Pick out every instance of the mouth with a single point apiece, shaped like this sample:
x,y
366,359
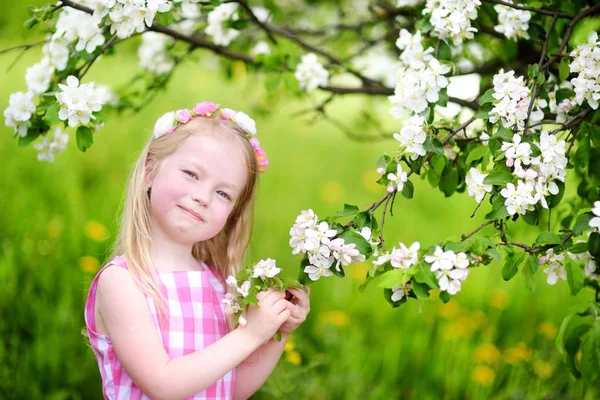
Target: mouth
x,y
192,213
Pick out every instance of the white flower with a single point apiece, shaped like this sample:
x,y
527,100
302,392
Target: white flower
x,y
38,76
586,64
245,122
19,111
260,47
450,269
152,53
51,144
320,267
164,124
404,257
397,180
344,253
441,259
265,269
556,268
318,236
451,19
216,24
399,292
232,304
476,188
513,23
232,282
412,136
310,73
244,289
78,102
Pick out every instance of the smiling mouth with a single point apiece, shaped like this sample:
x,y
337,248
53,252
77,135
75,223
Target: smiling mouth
x,y
193,214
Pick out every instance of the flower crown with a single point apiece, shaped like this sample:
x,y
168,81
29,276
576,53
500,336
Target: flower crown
x,y
167,124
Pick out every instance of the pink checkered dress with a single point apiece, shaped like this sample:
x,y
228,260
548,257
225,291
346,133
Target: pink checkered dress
x,y
196,320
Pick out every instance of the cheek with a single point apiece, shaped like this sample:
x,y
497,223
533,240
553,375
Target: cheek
x,y
167,191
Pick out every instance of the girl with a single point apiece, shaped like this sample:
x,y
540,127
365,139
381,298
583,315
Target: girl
x,y
154,313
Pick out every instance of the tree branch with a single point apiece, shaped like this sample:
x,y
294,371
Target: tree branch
x,y
248,10
543,11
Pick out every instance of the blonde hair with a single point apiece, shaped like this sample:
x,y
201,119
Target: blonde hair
x,y
225,251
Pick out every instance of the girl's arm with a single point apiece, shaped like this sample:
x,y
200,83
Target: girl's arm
x,y
138,347
254,371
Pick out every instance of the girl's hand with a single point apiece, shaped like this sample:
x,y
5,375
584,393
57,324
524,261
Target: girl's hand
x,y
272,311
299,308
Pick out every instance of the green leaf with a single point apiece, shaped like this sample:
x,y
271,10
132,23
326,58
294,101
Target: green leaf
x,y
273,82
387,294
590,353
504,133
362,245
443,98
547,238
449,181
554,199
487,97
511,267
445,297
484,111
433,145
497,213
564,93
408,190
362,219
531,217
424,275
393,278
303,277
582,223
52,115
579,248
533,70
421,290
582,155
575,276
498,177
528,273
348,210
444,52
594,245
457,246
476,154
165,18
563,69
85,138
559,341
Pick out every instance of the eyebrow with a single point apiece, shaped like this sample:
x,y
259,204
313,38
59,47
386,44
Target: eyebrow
x,y
203,170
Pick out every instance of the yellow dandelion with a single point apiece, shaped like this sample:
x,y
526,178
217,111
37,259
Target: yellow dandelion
x,y
484,375
449,310
96,231
517,354
499,299
55,227
332,192
289,345
478,319
543,369
487,353
369,181
293,357
336,318
548,330
358,272
89,264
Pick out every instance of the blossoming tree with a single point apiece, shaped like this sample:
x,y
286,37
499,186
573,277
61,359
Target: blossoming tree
x,y
531,130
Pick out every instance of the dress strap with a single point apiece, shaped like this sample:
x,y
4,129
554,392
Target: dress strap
x,y
90,304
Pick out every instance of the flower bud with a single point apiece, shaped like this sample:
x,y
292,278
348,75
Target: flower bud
x,y
380,171
391,189
543,260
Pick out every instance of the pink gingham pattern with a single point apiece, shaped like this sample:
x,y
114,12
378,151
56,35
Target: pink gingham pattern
x,y
196,320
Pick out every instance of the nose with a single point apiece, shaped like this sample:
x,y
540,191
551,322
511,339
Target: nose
x,y
201,196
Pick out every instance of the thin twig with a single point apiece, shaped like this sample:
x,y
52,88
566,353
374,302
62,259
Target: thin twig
x,y
381,240
254,18
537,10
480,227
25,47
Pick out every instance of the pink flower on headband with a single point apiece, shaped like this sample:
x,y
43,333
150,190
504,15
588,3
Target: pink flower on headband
x,y
261,156
205,108
183,116
227,114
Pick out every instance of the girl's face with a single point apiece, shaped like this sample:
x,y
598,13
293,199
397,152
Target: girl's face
x,y
196,188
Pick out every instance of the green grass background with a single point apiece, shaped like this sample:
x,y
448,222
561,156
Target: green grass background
x,y
493,340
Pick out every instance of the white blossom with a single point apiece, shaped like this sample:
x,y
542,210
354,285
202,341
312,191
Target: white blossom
x,y
265,269
513,104
398,179
245,122
19,111
78,101
412,136
555,267
319,267
450,269
244,289
217,18
38,76
401,291
310,73
512,23
475,186
586,64
152,52
595,221
261,47
51,144
232,304
451,19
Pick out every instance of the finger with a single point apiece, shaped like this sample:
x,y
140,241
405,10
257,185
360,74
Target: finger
x,y
263,294
285,314
273,297
301,296
280,305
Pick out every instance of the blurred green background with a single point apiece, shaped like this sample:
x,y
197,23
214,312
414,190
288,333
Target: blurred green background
x,y
493,340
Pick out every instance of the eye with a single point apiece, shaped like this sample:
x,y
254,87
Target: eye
x,y
190,173
223,194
